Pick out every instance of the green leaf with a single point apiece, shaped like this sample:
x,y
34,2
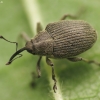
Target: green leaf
x,y
75,81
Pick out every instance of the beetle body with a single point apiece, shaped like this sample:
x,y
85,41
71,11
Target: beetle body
x,y
63,39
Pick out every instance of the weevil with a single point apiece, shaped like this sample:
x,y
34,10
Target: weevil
x,y
62,39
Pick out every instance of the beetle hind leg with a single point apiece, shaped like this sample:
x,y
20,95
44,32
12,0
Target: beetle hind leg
x,y
75,16
53,74
91,62
68,15
75,59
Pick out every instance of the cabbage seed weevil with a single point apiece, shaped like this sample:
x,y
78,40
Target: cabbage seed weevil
x,y
62,39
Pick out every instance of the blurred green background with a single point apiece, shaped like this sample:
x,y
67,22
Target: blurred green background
x,y
77,81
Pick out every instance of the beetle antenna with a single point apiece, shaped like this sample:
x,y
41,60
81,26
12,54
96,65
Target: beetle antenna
x,y
16,50
15,54
10,41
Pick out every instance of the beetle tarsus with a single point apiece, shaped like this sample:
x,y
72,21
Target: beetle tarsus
x,y
38,67
75,59
94,62
53,74
39,73
55,86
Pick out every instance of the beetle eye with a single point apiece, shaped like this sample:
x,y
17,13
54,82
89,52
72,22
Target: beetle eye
x,y
29,50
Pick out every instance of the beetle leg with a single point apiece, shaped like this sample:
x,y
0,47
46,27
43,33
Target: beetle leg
x,y
53,74
38,67
77,15
68,15
75,59
22,37
39,27
25,36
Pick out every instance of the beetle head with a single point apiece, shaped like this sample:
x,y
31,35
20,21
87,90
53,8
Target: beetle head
x,y
27,47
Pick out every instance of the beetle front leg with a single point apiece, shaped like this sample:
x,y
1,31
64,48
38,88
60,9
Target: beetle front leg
x,y
24,36
53,74
38,67
39,27
75,59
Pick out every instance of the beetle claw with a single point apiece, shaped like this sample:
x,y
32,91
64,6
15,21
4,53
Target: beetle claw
x,y
55,87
